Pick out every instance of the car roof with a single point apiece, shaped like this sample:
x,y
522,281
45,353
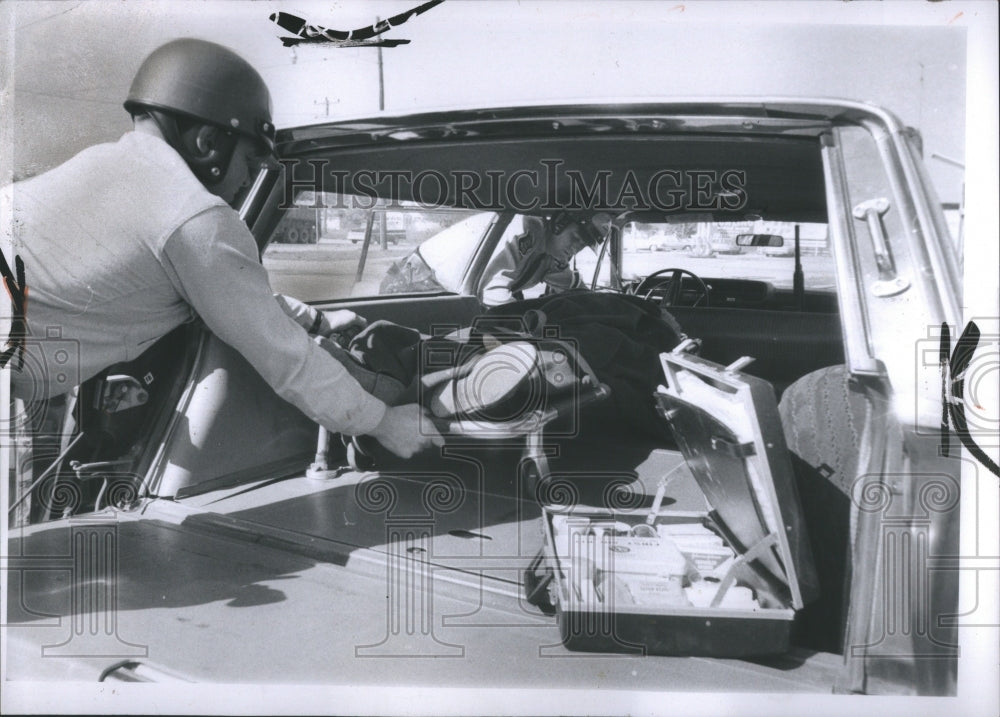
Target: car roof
x,y
773,146
770,113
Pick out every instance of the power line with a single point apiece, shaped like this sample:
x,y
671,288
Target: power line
x,y
18,28
358,59
62,96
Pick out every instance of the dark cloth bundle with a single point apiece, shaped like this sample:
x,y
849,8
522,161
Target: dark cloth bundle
x,y
618,337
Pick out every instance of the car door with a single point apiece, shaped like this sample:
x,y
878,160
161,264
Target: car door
x,y
897,286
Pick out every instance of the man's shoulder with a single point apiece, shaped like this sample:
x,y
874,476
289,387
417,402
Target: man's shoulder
x,y
154,154
135,162
172,190
524,243
211,228
75,168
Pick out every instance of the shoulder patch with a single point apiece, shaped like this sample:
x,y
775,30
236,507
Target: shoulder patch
x,y
525,243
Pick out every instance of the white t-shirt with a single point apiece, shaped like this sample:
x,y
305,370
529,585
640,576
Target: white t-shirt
x,y
121,244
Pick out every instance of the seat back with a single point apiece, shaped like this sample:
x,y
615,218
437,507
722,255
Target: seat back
x,y
824,414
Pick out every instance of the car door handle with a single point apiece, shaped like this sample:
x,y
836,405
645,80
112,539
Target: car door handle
x,y
889,282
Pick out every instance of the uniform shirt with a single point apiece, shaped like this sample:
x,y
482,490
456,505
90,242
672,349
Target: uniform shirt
x,y
121,244
520,264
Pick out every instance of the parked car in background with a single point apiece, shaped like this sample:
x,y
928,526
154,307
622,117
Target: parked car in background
x,y
656,241
653,242
392,224
231,564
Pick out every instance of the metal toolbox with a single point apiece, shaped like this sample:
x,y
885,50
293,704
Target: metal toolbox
x,y
725,582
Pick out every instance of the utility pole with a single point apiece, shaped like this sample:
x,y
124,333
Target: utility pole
x,y
382,233
920,100
381,79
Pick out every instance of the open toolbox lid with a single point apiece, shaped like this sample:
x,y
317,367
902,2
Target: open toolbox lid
x,y
726,423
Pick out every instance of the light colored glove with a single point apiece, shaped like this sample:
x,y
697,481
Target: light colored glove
x,y
406,430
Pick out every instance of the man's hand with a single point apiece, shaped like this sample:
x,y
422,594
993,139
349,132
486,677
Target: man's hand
x,y
406,430
345,321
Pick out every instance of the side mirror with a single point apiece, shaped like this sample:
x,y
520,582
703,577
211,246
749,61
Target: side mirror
x,y
771,240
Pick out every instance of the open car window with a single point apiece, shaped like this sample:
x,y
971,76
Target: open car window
x,y
723,250
586,258
333,246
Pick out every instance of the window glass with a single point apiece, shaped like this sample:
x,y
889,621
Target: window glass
x,y
333,246
709,249
448,253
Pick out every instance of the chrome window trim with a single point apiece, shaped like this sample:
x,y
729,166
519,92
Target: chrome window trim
x,y
853,318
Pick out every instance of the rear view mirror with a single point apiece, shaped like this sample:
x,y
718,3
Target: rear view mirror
x,y
771,240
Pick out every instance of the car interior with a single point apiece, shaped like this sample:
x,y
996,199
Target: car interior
x,y
236,454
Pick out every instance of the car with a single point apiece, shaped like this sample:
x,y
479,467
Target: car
x,y
659,241
394,227
650,243
231,561
356,236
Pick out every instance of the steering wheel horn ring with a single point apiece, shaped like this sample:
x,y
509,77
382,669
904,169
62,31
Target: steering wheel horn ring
x,y
674,286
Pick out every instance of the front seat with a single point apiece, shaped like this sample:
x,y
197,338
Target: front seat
x,y
824,414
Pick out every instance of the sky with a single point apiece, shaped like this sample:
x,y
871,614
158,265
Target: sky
x,y
67,65
65,68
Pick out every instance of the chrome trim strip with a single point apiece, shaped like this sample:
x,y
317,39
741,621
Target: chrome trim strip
x,y
853,319
928,244
157,465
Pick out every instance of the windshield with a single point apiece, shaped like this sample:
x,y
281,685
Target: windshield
x,y
709,249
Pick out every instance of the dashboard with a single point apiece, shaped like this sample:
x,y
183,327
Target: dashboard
x,y
731,293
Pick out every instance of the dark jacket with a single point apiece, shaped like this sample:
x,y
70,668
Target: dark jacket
x,y
621,337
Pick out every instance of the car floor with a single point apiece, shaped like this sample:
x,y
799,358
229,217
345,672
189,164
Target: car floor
x,y
333,581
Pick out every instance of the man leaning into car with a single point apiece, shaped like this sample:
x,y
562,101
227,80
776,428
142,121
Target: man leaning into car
x,y
541,254
128,240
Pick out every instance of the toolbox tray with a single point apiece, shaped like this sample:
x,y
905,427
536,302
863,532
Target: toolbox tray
x,y
726,425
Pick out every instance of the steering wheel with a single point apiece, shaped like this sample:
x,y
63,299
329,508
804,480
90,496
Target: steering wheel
x,y
673,293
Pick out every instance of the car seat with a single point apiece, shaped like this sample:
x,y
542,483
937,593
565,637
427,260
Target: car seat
x,y
824,414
